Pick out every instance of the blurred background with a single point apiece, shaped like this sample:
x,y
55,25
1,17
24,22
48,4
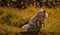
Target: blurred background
x,y
24,3
15,13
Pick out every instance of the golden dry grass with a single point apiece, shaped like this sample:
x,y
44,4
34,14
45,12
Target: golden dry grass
x,y
21,16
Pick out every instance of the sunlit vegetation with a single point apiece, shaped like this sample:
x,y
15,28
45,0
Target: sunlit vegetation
x,y
11,19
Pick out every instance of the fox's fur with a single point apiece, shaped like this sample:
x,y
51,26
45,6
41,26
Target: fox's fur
x,y
36,21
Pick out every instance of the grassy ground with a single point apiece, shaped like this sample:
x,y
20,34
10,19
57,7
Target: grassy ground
x,y
11,19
